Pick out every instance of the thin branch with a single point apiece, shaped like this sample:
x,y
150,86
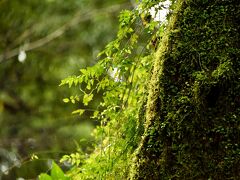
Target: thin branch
x,y
79,17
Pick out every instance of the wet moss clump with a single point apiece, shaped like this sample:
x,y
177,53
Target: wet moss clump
x,y
192,128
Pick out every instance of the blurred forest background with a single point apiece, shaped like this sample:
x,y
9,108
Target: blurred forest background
x,y
42,42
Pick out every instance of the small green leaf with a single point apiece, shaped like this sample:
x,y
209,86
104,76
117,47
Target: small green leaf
x,y
64,158
34,157
87,98
78,111
57,173
83,71
44,176
70,83
77,98
66,100
95,114
88,86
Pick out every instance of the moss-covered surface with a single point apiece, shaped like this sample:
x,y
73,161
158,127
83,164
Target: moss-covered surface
x,y
192,128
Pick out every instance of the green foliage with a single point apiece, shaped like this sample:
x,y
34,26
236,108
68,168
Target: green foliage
x,y
121,77
58,37
74,158
56,173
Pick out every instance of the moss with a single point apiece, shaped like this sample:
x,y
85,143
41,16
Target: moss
x,y
193,113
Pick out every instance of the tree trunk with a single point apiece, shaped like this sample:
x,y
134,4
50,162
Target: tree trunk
x,y
192,128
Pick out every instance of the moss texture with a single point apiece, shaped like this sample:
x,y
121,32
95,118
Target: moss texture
x,y
192,128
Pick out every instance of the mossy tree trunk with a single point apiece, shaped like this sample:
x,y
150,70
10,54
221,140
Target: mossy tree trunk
x,y
192,128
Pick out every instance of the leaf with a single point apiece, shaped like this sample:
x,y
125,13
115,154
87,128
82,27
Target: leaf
x,y
44,176
73,101
88,86
77,98
78,111
66,100
95,114
83,71
64,158
57,173
62,82
70,83
87,98
34,157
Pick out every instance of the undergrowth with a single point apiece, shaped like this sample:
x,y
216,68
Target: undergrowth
x,y
120,76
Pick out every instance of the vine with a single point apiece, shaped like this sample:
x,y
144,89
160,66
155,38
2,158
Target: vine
x,y
121,77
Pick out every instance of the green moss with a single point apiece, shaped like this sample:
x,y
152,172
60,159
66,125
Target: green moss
x,y
193,109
